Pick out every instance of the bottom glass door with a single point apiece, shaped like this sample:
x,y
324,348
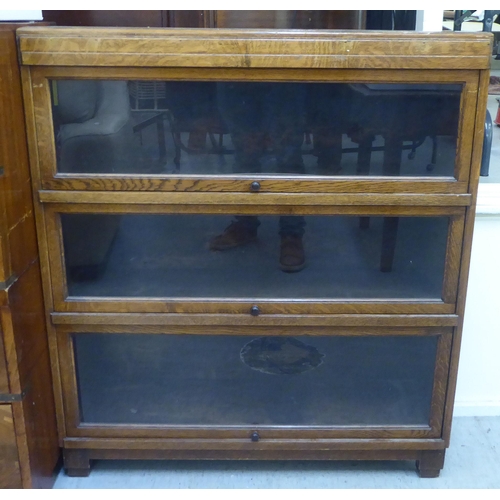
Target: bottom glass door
x,y
223,380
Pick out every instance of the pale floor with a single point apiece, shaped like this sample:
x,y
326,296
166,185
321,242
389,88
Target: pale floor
x,y
472,461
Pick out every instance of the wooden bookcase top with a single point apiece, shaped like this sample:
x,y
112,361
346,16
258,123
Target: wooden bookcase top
x,y
235,48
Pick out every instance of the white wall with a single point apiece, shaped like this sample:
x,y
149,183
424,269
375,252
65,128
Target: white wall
x,y
478,389
429,20
21,15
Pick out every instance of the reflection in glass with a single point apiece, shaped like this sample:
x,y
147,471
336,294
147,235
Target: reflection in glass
x,y
210,128
346,257
206,380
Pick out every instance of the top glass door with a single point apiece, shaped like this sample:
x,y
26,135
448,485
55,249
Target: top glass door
x,y
235,128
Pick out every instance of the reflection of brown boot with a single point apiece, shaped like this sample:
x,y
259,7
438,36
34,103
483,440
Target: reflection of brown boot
x,y
235,235
292,257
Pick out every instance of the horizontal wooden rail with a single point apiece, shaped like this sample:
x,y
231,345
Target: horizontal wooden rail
x,y
343,320
254,199
235,48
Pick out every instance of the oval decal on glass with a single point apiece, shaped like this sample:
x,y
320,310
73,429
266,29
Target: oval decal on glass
x,y
280,356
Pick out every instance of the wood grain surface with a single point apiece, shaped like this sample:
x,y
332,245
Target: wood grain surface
x,y
4,381
243,55
467,247
253,48
17,228
10,474
254,199
29,449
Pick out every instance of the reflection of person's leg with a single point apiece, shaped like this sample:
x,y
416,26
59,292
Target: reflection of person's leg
x,y
285,118
287,123
240,108
292,256
329,110
241,231
328,148
248,146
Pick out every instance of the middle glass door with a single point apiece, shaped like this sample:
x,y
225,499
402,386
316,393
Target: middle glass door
x,y
192,256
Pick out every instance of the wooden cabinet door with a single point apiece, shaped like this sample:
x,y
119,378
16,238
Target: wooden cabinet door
x,y
161,262
263,19
224,129
10,476
268,19
290,19
131,18
292,383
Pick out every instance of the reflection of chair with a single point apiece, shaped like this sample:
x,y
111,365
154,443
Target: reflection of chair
x,y
463,15
94,136
95,130
490,17
86,256
488,139
197,138
192,108
400,113
188,108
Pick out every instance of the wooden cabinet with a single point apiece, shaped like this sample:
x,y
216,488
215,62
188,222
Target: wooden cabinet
x,y
10,475
29,448
271,19
255,244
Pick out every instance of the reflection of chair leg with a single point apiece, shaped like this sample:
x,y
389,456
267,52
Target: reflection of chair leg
x,y
328,149
176,137
363,168
430,167
160,131
389,237
393,149
177,158
391,167
217,146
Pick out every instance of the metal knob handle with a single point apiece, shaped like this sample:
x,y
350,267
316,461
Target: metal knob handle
x,y
255,310
255,186
255,436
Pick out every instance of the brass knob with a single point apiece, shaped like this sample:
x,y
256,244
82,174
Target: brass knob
x,y
255,186
255,310
255,436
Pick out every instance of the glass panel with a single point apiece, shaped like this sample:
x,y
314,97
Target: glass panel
x,y
213,256
234,380
209,128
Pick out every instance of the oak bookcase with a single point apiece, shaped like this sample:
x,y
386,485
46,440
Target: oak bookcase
x,y
254,243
